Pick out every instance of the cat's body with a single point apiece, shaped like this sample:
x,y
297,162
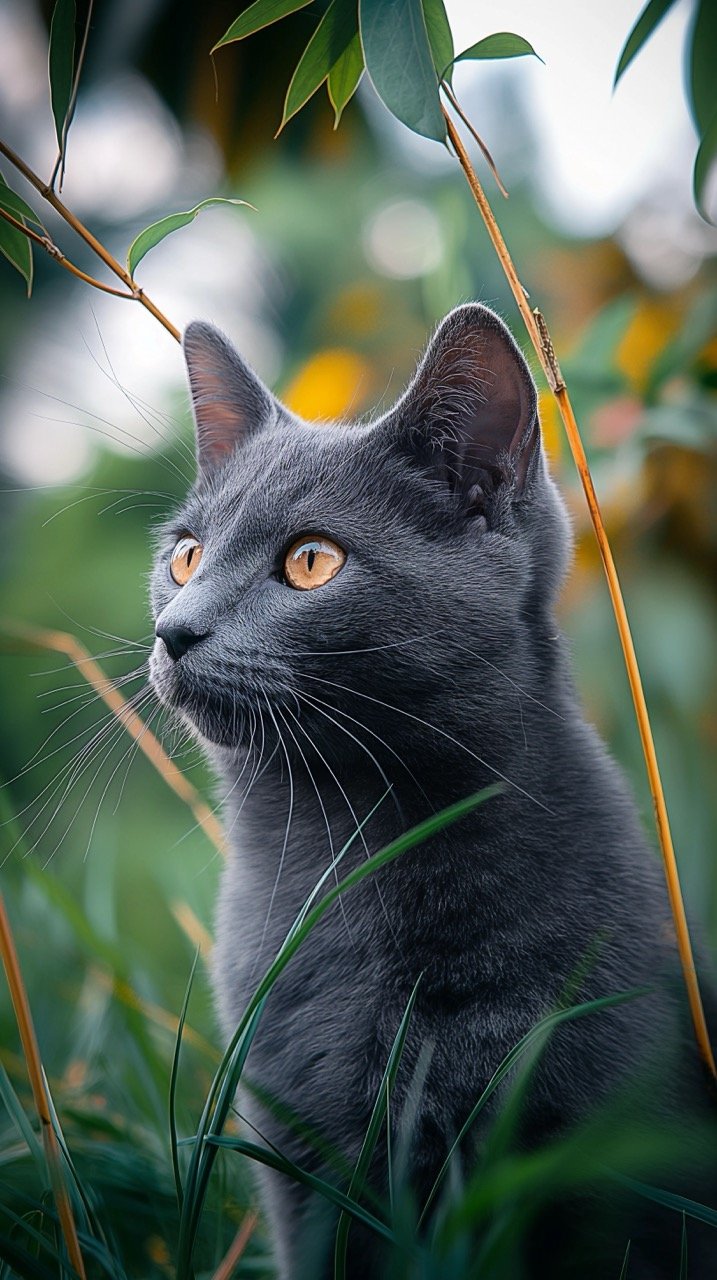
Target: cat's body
x,y
431,665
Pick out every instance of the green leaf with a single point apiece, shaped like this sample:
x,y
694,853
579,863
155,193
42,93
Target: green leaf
x,y
648,21
330,40
158,231
17,249
344,77
260,14
625,1262
19,208
173,1077
704,160
61,65
439,37
702,80
399,63
503,44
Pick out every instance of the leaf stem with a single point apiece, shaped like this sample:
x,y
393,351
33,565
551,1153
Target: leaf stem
x,y
50,247
542,343
40,1090
82,231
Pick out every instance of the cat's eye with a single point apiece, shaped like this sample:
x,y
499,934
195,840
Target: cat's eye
x,y
312,562
185,559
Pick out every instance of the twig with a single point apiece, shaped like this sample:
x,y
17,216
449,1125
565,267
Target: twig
x,y
541,340
50,247
226,1267
40,1091
97,247
89,668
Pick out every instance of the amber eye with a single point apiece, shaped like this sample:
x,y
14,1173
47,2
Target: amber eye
x,y
185,559
311,562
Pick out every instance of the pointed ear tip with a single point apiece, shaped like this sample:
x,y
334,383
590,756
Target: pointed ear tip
x,y
199,333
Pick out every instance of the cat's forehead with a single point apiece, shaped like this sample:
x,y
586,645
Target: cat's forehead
x,y
291,472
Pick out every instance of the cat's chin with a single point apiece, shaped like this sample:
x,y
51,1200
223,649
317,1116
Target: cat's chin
x,y
200,710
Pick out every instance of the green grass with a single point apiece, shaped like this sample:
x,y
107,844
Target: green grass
x,y
150,1202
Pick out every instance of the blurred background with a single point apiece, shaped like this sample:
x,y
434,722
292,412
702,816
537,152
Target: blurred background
x,y
360,241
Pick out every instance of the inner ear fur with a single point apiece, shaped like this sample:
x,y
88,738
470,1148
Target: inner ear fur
x,y
229,401
473,402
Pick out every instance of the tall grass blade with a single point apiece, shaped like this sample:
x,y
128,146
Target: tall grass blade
x,y
173,1085
536,1033
378,1115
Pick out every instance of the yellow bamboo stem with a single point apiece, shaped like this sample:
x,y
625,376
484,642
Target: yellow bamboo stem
x,y
542,343
40,1091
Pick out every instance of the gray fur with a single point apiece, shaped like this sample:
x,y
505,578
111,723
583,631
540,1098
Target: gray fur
x,y
433,663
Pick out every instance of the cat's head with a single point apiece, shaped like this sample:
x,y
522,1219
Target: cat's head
x,y
360,581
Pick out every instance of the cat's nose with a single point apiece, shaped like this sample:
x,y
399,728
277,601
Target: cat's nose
x,y
177,639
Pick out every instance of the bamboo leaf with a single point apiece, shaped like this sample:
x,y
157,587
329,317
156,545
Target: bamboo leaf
x,y
440,37
400,64
648,21
702,81
19,208
344,77
330,41
158,231
503,44
704,161
17,249
260,14
61,65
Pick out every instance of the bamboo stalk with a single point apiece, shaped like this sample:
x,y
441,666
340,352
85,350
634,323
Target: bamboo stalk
x,y
543,345
89,668
40,1091
81,230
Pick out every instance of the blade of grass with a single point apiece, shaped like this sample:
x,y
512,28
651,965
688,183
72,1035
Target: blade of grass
x,y
173,1085
541,1029
625,1263
40,1091
541,340
368,1146
227,1077
264,1155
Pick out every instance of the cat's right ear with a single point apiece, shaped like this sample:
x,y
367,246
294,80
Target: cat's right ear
x,y
229,401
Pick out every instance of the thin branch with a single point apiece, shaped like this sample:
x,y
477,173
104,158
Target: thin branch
x,y
542,342
40,1091
60,162
50,247
89,668
81,230
229,1262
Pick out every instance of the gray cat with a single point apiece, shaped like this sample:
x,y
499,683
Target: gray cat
x,y
342,609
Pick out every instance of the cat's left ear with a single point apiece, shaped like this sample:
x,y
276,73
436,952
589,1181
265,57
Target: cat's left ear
x,y
472,404
229,401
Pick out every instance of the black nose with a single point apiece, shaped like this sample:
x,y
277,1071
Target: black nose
x,y
177,639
